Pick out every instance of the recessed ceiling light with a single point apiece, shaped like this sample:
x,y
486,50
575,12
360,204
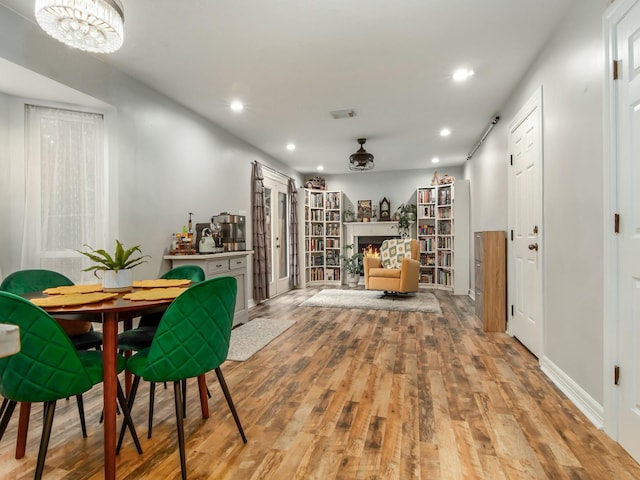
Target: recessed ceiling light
x,y
319,168
461,74
435,160
237,106
445,132
291,147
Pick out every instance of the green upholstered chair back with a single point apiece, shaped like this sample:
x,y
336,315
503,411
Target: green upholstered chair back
x,y
186,272
47,367
193,335
24,281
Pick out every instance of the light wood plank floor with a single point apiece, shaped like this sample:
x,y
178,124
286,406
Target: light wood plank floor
x,y
354,394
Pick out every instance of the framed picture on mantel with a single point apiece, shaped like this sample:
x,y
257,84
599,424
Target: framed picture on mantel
x,y
364,210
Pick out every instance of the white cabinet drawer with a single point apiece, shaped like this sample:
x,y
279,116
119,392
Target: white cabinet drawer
x,y
217,266
240,262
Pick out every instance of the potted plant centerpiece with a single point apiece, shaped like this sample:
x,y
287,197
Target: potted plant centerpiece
x,y
352,265
117,276
406,214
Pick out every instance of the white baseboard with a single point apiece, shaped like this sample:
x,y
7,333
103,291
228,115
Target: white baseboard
x,y
472,295
580,398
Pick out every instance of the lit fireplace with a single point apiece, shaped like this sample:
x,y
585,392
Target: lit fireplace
x,y
371,251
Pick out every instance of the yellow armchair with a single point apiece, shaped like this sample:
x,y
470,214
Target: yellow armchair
x,y
404,277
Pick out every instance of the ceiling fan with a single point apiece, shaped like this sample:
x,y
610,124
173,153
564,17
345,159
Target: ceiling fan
x,y
361,160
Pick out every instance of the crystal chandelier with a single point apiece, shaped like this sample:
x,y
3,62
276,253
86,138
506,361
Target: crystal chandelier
x,y
361,160
90,25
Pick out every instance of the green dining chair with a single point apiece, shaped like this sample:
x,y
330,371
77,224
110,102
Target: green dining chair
x,y
35,280
140,337
47,368
192,339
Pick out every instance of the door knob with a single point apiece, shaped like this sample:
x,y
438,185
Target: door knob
x,y
533,246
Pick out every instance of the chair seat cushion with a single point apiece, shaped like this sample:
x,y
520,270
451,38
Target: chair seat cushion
x,y
87,341
92,361
136,339
385,272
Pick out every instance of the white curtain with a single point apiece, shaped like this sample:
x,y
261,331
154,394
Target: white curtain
x,y
66,178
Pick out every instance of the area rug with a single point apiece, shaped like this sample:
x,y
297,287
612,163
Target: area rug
x,y
374,300
249,338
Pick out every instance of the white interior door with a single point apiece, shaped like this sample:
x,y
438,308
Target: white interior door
x,y
628,240
525,218
277,214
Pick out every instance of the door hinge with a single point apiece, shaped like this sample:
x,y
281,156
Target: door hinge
x,y
512,235
512,310
616,375
616,223
511,160
616,65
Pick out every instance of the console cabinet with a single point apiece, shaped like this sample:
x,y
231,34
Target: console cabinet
x,y
232,264
491,279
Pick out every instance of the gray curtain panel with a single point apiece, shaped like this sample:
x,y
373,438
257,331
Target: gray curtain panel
x,y
294,270
260,247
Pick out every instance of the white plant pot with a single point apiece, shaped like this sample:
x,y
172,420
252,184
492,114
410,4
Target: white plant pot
x,y
353,279
117,280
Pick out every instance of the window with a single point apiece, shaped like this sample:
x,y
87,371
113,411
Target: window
x,y
65,193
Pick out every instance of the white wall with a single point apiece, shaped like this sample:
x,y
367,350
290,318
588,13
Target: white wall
x,y
169,161
570,70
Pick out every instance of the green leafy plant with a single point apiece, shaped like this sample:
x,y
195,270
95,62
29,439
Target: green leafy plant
x,y
121,259
407,213
351,263
349,215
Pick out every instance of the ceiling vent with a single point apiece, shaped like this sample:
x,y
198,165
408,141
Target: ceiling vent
x,y
348,113
361,160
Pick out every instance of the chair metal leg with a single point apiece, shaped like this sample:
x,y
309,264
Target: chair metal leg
x,y
152,396
83,424
126,413
8,406
49,411
129,405
227,395
184,398
179,411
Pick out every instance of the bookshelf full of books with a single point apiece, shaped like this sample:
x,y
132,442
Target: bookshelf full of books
x,y
443,235
322,235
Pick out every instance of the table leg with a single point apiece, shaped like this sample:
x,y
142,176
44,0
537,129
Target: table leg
x,y
128,378
23,428
110,345
204,401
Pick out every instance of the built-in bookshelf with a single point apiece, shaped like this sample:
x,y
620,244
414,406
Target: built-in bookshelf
x,y
322,235
443,234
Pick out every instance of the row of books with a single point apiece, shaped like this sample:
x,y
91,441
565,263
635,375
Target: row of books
x,y
427,196
426,229
316,200
315,244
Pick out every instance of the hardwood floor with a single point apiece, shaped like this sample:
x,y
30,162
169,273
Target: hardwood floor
x,y
353,394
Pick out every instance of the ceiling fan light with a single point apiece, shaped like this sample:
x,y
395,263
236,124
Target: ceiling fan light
x,y
91,25
361,160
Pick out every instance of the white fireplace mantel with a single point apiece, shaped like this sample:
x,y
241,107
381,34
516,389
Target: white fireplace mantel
x,y
353,230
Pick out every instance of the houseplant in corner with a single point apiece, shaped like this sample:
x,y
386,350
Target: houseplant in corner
x,y
352,265
117,276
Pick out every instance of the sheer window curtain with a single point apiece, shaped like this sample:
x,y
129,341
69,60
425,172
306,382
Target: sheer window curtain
x,y
65,203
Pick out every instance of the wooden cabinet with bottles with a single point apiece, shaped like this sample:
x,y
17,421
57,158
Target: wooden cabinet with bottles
x,y
443,234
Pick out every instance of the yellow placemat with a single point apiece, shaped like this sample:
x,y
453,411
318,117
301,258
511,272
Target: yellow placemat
x,y
155,294
161,282
73,299
74,289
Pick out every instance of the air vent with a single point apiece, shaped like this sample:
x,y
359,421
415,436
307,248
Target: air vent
x,y
348,113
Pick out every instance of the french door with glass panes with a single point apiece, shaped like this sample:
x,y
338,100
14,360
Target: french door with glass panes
x,y
276,201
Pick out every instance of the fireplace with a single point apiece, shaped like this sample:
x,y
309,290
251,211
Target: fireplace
x,y
363,234
374,240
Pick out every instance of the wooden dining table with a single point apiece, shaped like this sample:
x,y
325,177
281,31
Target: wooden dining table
x,y
110,313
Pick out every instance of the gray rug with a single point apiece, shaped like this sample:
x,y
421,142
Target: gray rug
x,y
374,300
247,339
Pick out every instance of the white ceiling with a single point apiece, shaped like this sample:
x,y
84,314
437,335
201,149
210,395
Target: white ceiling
x,y
292,62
